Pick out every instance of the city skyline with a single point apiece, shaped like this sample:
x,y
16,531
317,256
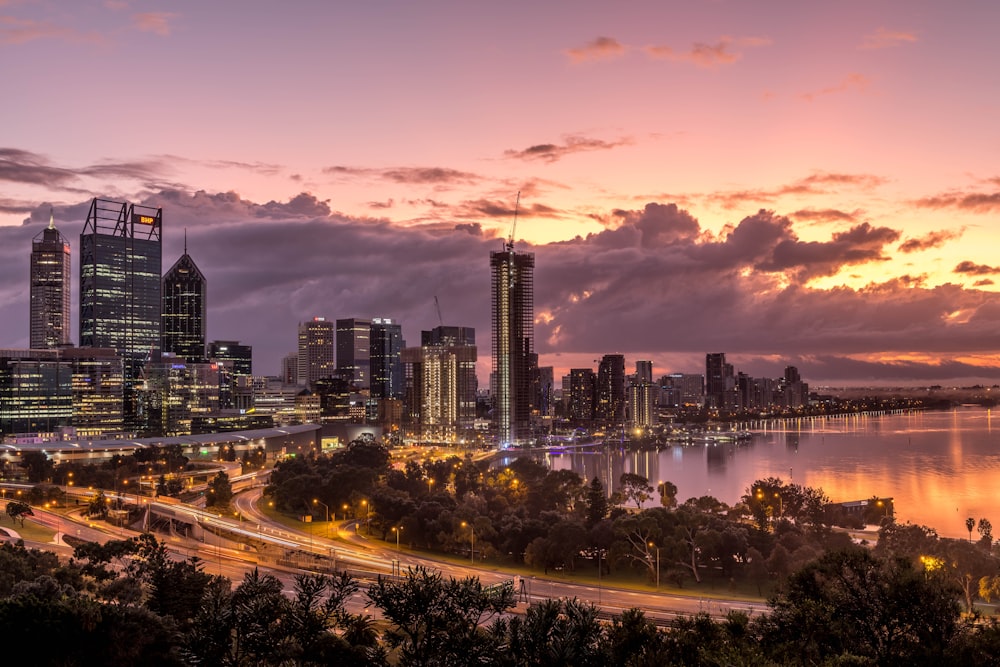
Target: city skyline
x,y
794,185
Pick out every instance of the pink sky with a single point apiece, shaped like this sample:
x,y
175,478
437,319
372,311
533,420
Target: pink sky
x,y
355,159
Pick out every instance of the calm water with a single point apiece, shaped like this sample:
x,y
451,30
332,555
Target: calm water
x,y
940,467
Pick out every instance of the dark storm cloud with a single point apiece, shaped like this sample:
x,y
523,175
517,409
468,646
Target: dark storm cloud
x,y
655,283
26,167
931,240
572,144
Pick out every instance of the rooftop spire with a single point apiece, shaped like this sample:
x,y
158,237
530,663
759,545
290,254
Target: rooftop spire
x,y
52,218
185,240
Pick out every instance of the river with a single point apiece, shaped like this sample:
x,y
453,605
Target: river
x,y
938,466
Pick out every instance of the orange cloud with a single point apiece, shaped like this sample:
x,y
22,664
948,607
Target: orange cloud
x,y
155,22
20,31
850,82
602,48
706,55
976,202
573,144
931,240
883,39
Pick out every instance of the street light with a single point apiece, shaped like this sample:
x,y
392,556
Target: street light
x,y
651,545
317,501
397,531
781,510
368,517
430,482
345,511
472,553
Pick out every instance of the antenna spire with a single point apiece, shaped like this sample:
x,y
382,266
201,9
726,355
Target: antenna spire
x,y
185,240
52,218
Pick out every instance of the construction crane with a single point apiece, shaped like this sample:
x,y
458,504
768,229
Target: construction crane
x,y
437,305
513,227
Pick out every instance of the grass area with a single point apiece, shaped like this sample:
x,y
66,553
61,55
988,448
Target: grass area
x,y
31,531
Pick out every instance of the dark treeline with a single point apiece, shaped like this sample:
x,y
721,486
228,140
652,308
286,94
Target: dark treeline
x,y
127,603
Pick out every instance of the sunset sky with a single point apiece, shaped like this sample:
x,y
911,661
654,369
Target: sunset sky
x,y
786,182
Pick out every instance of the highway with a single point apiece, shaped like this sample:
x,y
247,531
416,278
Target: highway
x,y
232,546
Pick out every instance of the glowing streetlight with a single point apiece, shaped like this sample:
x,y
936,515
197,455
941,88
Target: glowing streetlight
x,y
472,529
397,530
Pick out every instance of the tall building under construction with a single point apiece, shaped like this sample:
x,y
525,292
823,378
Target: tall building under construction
x,y
513,341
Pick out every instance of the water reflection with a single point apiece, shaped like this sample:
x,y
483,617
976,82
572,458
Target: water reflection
x,y
940,467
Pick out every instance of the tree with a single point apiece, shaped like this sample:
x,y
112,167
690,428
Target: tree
x,y
985,529
668,494
970,523
220,491
635,488
438,621
552,633
597,502
38,465
18,510
98,506
989,588
851,603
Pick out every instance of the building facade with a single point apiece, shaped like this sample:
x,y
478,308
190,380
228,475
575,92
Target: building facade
x,y
184,310
385,349
316,351
120,300
354,351
50,289
513,297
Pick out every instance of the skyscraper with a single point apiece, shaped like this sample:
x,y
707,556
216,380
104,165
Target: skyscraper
x,y
184,302
120,304
611,389
720,382
315,359
513,341
354,351
441,383
385,345
50,292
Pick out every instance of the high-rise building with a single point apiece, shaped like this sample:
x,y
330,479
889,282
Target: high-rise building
x,y
120,304
235,368
441,383
184,303
354,351
611,389
42,391
582,395
720,382
386,344
513,298
315,359
50,291
241,356
643,397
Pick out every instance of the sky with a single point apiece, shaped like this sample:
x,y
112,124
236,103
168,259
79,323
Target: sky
x,y
786,182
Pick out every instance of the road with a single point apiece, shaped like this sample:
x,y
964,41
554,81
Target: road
x,y
236,554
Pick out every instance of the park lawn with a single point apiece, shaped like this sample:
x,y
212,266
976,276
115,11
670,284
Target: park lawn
x,y
31,532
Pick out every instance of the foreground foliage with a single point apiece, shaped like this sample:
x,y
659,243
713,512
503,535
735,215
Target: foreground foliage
x,y
128,602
